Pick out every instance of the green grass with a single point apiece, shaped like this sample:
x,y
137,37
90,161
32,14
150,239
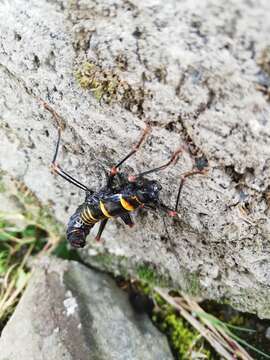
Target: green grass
x,y
16,247
26,232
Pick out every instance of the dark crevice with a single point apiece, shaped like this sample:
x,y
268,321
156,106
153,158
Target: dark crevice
x,y
17,37
180,84
171,126
193,148
236,176
36,61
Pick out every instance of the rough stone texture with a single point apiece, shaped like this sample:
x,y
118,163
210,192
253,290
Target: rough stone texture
x,y
199,72
71,312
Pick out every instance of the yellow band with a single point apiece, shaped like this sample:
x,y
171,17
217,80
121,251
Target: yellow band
x,y
85,219
90,214
103,209
126,205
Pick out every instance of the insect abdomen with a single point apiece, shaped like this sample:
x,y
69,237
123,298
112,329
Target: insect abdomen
x,y
77,229
89,215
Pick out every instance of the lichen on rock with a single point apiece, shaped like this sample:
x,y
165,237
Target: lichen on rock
x,y
108,87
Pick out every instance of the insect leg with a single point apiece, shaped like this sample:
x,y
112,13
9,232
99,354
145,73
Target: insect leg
x,y
101,228
172,160
167,209
54,166
58,170
183,179
133,151
127,220
160,206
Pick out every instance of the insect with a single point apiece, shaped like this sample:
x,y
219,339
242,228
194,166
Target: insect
x,y
119,197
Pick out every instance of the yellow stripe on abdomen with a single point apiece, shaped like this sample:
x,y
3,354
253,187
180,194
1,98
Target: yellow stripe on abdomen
x,y
90,215
126,205
85,218
104,210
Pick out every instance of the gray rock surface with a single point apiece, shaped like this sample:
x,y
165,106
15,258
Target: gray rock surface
x,y
199,72
71,312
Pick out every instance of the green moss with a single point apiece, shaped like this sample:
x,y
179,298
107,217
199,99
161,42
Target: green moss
x,y
193,284
186,343
103,84
147,274
107,86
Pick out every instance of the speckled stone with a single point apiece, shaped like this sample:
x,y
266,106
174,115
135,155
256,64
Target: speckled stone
x,y
71,312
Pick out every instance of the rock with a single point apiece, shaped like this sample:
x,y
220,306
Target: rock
x,y
199,72
71,312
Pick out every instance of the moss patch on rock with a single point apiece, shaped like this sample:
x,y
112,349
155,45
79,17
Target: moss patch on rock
x,y
128,268
186,343
107,86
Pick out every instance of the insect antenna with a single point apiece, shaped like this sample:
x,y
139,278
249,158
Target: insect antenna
x,y
58,170
171,243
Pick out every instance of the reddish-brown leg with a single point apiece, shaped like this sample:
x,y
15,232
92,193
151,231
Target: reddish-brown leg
x,y
136,147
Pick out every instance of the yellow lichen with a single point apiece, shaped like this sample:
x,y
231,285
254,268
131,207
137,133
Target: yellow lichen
x,y
108,87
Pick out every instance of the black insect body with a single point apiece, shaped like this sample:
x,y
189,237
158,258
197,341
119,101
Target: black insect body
x,y
121,195
108,203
